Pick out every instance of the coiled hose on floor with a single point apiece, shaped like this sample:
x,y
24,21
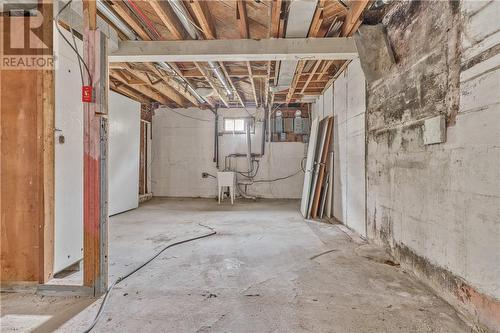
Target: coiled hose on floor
x,y
123,277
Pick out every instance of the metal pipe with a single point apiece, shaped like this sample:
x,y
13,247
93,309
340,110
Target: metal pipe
x,y
182,14
249,146
180,79
215,68
103,8
184,17
106,11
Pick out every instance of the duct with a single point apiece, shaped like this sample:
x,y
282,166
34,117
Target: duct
x,y
120,24
106,11
181,80
300,15
249,146
185,19
183,15
215,68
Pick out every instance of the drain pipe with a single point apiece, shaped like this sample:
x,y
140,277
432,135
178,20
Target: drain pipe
x,y
249,147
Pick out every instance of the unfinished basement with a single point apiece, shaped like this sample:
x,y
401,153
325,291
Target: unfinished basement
x,y
250,166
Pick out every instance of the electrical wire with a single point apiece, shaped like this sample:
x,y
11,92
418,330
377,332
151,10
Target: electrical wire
x,y
79,62
277,179
69,43
123,277
190,117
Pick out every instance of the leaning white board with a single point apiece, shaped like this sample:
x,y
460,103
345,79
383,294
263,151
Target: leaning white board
x,y
68,237
311,149
124,145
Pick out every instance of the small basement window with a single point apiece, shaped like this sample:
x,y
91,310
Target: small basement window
x,y
236,125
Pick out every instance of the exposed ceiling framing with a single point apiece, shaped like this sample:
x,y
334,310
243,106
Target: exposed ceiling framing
x,y
251,82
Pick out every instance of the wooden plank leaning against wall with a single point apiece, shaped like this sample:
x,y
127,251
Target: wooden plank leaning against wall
x,y
27,165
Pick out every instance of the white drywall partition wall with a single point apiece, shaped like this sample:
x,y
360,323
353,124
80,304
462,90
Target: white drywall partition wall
x,y
124,141
183,149
349,148
68,238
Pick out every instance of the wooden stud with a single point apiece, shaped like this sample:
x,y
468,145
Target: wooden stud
x,y
47,232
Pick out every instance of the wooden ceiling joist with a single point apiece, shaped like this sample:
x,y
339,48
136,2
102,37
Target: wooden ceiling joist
x,y
213,83
179,88
168,17
351,22
250,74
313,72
163,88
144,90
127,91
204,18
236,92
122,11
241,16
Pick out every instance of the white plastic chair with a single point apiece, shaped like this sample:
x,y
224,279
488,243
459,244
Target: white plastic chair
x,y
226,179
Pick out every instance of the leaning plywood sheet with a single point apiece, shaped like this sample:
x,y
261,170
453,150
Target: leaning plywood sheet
x,y
317,158
321,166
306,190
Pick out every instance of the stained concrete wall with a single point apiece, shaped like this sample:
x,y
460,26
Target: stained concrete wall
x,y
183,149
438,206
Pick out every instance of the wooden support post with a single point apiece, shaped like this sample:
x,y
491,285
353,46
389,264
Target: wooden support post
x,y
95,209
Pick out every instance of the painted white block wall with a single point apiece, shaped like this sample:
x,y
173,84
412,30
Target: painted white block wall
x,y
124,145
347,101
183,150
68,238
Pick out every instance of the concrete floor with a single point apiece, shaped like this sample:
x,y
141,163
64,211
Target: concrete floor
x,y
267,270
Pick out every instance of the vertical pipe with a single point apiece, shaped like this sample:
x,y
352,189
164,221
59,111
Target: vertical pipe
x,y
249,145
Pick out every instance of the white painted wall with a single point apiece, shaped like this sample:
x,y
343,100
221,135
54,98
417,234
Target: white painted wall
x,y
68,241
345,100
124,136
183,149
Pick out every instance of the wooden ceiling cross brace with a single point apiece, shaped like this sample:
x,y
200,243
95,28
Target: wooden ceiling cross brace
x,y
212,82
241,16
204,18
250,74
237,93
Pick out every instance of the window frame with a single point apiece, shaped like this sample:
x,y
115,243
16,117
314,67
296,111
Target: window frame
x,y
245,119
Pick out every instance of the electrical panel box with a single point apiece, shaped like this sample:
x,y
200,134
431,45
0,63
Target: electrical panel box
x,y
434,130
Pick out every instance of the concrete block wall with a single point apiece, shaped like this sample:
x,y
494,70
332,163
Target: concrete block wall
x,y
437,207
345,100
183,149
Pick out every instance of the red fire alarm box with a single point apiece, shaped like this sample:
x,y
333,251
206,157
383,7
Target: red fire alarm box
x,y
87,94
